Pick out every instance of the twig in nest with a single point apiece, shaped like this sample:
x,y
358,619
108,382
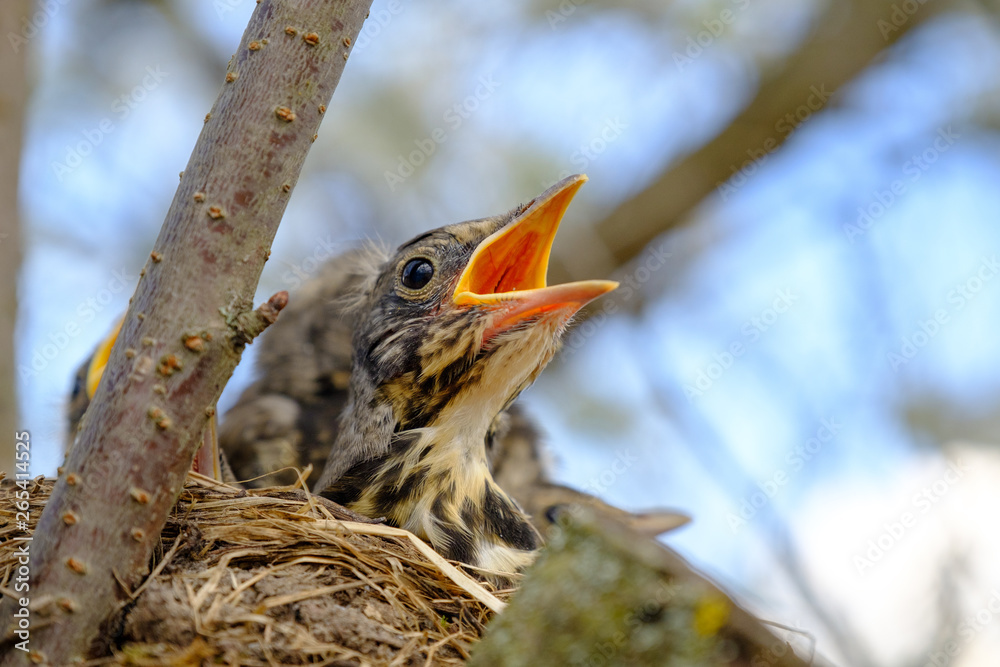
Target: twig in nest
x,y
460,579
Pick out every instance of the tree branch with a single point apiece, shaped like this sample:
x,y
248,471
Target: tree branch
x,y
186,325
844,42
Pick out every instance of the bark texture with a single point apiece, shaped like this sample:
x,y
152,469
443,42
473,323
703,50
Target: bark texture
x,y
601,594
13,94
186,326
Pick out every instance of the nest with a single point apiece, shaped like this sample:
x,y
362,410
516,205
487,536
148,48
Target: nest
x,y
279,577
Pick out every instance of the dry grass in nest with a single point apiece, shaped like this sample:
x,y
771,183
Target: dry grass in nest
x,y
276,577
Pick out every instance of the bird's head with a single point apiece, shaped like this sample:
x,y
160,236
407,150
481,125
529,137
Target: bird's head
x,y
460,319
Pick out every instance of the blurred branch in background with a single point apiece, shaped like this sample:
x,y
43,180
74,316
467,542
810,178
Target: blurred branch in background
x,y
845,39
724,466
196,43
13,96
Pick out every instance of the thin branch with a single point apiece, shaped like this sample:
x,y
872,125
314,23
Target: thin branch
x,y
844,41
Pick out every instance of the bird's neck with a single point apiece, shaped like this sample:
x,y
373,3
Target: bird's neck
x,y
435,482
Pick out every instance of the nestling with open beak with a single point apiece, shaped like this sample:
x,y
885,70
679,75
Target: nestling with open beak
x,y
450,330
445,335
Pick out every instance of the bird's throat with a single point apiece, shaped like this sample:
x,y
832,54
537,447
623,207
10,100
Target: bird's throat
x,y
436,483
429,474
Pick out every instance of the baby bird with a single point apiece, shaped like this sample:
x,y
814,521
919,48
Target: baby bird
x,y
395,375
447,333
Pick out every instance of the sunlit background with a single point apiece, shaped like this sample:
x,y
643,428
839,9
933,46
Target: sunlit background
x,y
806,356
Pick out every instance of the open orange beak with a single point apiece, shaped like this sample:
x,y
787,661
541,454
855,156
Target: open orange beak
x,y
507,271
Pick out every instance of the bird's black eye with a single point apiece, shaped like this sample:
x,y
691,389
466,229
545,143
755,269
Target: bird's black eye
x,y
553,512
417,273
79,384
